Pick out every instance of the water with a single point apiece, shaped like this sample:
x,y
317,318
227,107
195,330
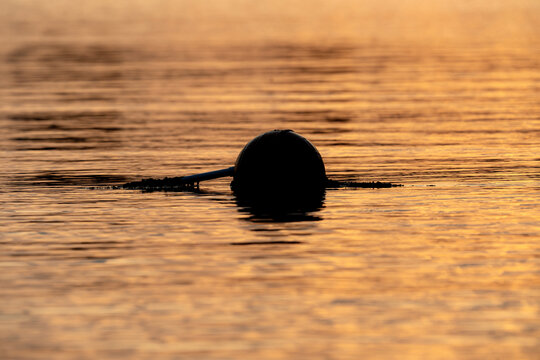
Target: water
x,y
441,98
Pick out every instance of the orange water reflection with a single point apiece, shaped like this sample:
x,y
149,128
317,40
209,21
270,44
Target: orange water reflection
x,y
442,97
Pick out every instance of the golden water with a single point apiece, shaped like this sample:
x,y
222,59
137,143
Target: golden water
x,y
441,97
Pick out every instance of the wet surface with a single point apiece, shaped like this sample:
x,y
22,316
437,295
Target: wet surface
x,y
442,99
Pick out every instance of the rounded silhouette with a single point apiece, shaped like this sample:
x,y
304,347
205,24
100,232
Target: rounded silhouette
x,y
279,166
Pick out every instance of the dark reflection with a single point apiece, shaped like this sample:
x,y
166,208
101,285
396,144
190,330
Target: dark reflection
x,y
285,208
282,209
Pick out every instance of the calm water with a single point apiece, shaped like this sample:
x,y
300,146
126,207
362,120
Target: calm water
x,y
444,99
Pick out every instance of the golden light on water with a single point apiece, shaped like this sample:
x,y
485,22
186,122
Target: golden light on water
x,y
439,96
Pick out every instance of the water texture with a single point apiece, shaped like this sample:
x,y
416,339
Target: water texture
x,y
443,98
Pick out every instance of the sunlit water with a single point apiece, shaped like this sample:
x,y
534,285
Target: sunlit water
x,y
444,99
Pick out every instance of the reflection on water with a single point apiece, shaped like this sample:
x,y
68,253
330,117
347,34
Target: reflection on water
x,y
283,209
441,98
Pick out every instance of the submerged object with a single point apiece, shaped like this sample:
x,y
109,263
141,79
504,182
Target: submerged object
x,y
279,165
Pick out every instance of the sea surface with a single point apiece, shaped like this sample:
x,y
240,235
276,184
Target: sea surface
x,y
442,97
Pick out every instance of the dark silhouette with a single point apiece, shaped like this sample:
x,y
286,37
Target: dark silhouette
x,y
278,170
279,166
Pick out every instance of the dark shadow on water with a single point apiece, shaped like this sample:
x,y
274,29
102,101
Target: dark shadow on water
x,y
271,207
282,209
